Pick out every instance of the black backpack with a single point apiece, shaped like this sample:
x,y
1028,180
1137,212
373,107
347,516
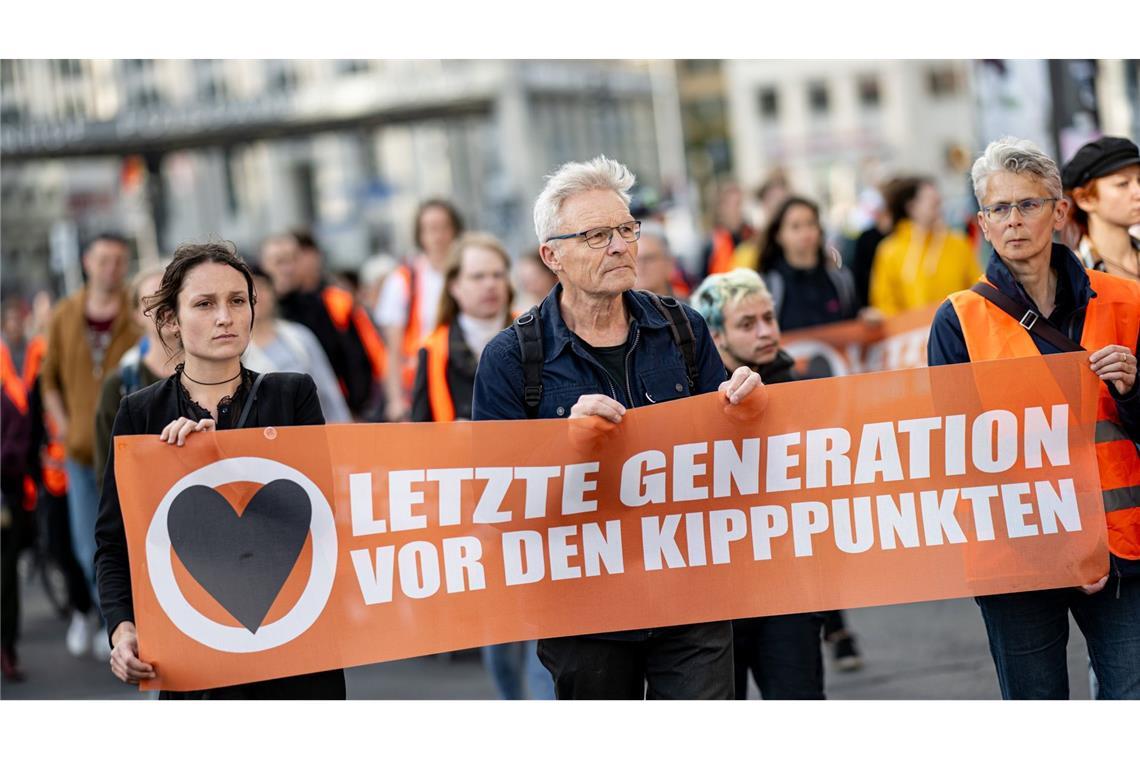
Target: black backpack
x,y
528,331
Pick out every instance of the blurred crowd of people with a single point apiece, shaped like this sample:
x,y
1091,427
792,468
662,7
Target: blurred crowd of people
x,y
401,338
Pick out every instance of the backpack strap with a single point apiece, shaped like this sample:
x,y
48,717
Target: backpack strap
x,y
1027,318
528,331
682,331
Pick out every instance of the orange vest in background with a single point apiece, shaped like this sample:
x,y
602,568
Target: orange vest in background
x,y
1112,318
723,249
343,310
439,392
412,340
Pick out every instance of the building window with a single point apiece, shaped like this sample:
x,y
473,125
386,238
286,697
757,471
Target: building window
x,y
870,95
701,65
818,98
942,81
282,77
349,66
69,68
769,101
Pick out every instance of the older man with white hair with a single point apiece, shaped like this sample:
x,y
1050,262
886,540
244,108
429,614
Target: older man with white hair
x,y
1037,298
597,347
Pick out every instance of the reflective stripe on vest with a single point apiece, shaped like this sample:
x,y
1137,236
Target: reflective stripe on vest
x,y
439,392
1112,317
11,380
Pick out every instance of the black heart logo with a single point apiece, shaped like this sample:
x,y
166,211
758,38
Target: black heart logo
x,y
241,560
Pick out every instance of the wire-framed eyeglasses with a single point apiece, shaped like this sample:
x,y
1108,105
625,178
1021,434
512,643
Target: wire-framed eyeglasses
x,y
1029,207
600,237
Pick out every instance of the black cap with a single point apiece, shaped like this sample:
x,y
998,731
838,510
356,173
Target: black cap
x,y
1099,159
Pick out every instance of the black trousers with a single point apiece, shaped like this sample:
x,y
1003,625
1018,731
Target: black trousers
x,y
328,684
13,538
782,652
680,662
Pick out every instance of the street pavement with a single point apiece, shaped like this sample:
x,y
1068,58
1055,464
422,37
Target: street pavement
x,y
933,650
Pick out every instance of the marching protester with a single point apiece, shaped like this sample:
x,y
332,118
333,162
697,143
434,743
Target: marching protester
x,y
595,348
655,263
88,335
406,311
278,345
1036,298
807,283
15,520
921,261
781,651
473,309
729,230
1102,182
534,281
206,302
350,341
145,363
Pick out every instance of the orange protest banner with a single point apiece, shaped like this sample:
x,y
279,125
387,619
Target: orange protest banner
x,y
847,348
263,553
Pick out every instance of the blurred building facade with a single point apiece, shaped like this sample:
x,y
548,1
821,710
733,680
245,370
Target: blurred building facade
x,y
178,150
834,127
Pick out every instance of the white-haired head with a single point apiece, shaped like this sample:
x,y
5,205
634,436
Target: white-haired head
x,y
576,177
1012,154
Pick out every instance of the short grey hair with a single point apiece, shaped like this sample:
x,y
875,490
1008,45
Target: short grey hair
x,y
575,177
1011,154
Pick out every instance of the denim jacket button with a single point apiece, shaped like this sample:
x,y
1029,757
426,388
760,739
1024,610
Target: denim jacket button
x,y
678,388
560,411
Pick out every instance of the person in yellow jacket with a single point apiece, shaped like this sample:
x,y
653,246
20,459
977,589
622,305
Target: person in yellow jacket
x,y
921,261
1037,298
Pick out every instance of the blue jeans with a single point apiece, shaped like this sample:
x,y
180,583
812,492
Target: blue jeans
x,y
82,508
509,664
1029,632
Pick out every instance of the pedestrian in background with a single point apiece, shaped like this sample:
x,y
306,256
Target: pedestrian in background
x,y
1102,181
88,335
921,261
406,311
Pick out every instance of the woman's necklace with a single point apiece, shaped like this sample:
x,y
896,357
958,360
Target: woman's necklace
x,y
221,382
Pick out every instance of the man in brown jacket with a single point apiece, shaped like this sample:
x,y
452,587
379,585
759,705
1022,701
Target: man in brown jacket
x,y
89,332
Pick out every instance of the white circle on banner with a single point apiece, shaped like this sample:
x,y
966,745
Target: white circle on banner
x,y
237,639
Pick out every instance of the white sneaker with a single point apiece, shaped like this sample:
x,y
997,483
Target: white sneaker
x,y
100,646
79,635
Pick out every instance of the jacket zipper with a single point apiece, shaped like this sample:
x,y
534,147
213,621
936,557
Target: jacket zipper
x,y
628,387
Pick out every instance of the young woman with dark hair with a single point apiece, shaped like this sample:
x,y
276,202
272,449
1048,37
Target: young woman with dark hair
x,y
807,283
206,302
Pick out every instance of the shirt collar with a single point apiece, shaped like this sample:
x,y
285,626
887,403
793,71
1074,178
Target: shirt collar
x,y
1072,280
641,312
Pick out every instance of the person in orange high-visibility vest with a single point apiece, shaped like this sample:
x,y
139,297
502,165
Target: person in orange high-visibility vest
x,y
730,231
406,309
473,308
1032,280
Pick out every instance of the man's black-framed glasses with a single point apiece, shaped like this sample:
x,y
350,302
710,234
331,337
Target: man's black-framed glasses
x,y
600,237
1029,207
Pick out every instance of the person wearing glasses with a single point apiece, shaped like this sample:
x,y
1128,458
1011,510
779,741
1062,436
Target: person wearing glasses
x,y
606,348
1036,298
